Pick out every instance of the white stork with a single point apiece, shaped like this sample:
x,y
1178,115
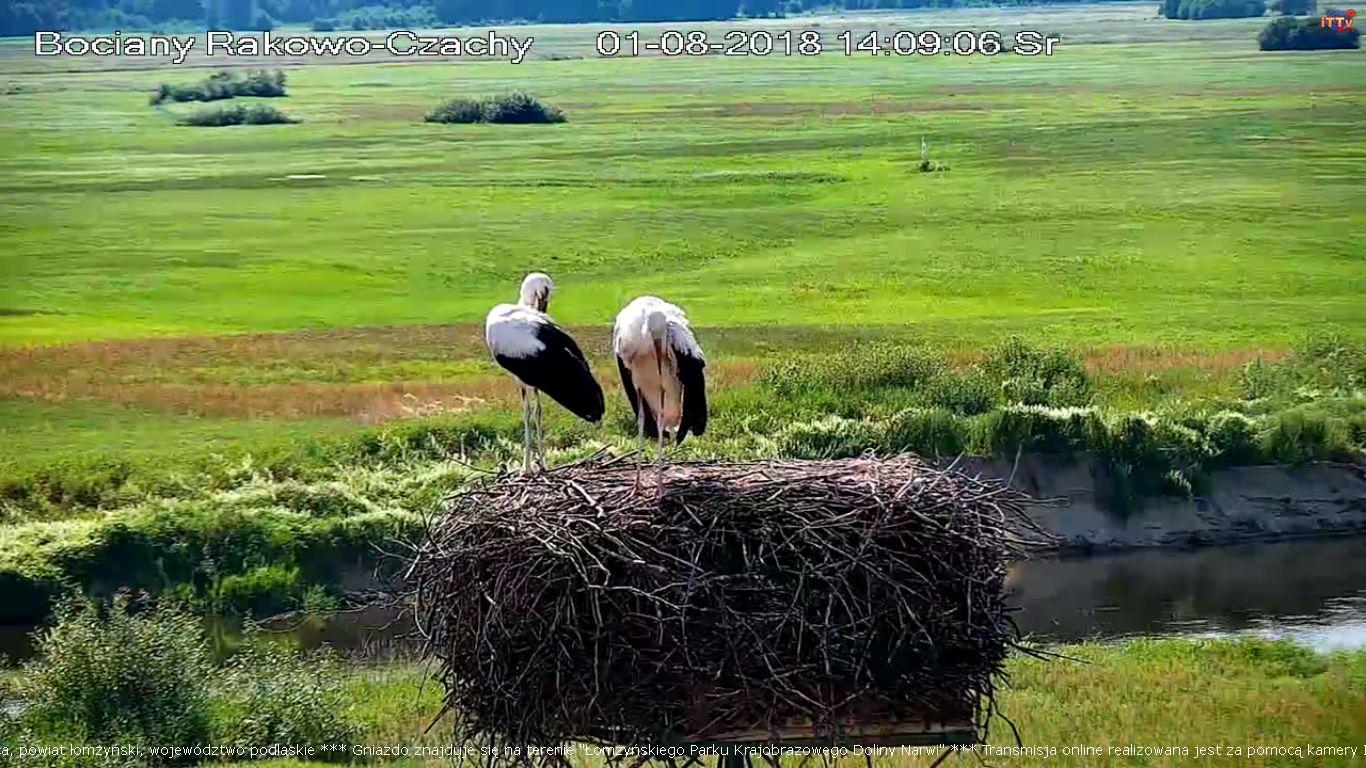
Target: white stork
x,y
525,341
661,369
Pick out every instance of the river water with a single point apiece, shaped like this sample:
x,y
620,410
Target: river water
x,y
1313,592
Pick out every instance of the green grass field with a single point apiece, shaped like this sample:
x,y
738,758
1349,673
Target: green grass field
x,y
1159,194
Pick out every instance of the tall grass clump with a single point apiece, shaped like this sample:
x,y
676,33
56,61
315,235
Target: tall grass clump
x,y
236,114
513,108
1320,366
861,369
271,695
109,675
119,674
1030,375
224,85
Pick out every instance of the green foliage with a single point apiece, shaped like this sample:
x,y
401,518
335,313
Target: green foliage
x,y
1211,9
831,437
387,16
110,675
271,695
1294,34
1034,428
1292,7
262,591
224,85
236,114
1233,438
925,431
969,392
232,558
859,370
512,108
1304,434
1031,375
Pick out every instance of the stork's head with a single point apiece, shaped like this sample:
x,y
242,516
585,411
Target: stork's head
x,y
657,325
536,288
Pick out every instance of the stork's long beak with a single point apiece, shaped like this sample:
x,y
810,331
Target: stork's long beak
x,y
542,300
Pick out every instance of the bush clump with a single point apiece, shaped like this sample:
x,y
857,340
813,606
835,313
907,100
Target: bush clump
x,y
1291,7
236,114
105,674
1195,10
1029,375
225,85
272,695
120,673
512,108
1291,34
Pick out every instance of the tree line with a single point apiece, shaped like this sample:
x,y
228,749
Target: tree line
x,y
24,17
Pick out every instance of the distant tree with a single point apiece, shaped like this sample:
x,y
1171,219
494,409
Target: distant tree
x,y
176,9
1196,10
236,14
1291,34
1292,7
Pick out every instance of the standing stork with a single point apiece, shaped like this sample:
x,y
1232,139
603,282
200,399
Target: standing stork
x,y
661,369
541,356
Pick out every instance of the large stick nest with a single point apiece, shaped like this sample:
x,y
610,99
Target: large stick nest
x,y
566,606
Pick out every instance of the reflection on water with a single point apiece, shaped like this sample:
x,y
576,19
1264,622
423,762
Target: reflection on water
x,y
1310,591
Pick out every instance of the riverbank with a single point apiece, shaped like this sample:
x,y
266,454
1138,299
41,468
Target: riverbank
x,y
1079,505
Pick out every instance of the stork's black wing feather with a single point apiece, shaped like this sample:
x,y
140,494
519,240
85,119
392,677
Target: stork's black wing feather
x,y
694,380
628,384
561,371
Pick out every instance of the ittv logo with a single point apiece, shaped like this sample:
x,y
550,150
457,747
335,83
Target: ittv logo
x,y
1338,19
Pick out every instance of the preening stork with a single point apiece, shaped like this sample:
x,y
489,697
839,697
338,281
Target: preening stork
x,y
662,371
542,357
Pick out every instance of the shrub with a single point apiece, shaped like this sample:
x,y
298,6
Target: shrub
x,y
1037,428
264,591
1302,435
1211,9
968,393
1031,375
1292,7
458,111
513,108
236,114
1291,34
860,369
521,108
275,696
1321,366
225,85
109,675
324,25
1233,438
925,431
388,17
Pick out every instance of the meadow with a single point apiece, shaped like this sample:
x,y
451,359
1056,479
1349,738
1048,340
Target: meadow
x,y
1157,194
